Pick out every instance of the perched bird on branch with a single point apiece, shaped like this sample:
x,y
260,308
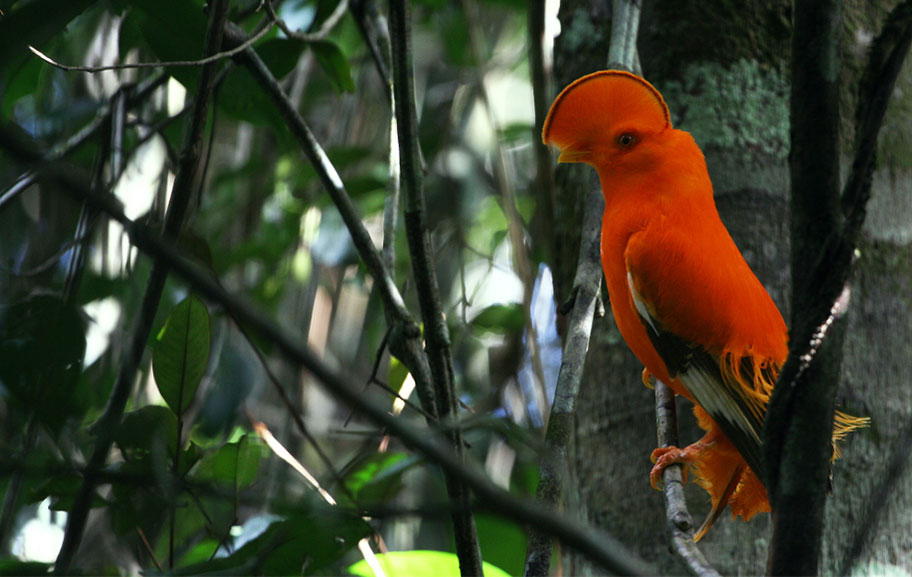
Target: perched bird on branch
x,y
683,297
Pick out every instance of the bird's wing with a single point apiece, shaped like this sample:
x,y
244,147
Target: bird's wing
x,y
673,286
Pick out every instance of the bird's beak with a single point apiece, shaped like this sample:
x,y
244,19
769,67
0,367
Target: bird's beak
x,y
572,154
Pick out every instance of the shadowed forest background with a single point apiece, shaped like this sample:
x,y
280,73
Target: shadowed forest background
x,y
193,441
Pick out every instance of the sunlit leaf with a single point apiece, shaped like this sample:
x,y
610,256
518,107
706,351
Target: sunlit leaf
x,y
500,319
420,564
331,59
181,353
378,478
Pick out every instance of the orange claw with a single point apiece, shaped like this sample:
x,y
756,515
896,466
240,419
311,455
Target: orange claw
x,y
664,457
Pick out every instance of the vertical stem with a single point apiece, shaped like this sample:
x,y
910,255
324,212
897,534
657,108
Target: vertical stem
x,y
180,199
800,418
436,332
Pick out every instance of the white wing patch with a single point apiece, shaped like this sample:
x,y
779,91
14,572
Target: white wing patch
x,y
640,304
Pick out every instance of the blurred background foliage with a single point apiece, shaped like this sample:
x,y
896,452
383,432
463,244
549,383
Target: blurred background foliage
x,y
71,286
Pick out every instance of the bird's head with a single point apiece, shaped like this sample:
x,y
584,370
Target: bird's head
x,y
609,119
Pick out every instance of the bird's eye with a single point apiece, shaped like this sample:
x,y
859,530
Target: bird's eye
x,y
626,140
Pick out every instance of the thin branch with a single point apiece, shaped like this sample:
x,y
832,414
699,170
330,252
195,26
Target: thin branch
x,y
679,526
437,336
560,425
884,64
586,287
106,425
373,29
176,63
320,34
135,95
405,335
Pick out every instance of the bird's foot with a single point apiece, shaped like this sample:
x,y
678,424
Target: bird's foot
x,y
664,457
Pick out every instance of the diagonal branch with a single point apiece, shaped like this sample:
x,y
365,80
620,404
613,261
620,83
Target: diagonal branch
x,y
184,183
405,336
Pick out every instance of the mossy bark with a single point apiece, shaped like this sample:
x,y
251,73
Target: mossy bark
x,y
723,68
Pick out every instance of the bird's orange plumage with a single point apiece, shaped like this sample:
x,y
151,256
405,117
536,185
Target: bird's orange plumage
x,y
683,297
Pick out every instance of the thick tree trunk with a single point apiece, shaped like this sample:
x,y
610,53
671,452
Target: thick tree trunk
x,y
722,67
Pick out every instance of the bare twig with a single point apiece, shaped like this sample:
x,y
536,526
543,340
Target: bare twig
x,y
679,526
373,28
107,424
560,425
405,336
320,34
135,95
176,63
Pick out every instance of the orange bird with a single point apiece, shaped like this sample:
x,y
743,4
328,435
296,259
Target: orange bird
x,y
684,298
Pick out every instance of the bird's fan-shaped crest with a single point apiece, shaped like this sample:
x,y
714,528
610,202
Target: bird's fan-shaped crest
x,y
593,106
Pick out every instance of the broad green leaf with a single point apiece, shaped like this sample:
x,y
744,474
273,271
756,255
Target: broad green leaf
x,y
42,345
241,95
32,23
420,564
62,490
139,504
378,478
172,29
181,353
151,429
500,319
234,464
313,539
13,566
331,59
503,543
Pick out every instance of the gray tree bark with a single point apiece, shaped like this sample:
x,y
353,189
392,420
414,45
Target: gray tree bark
x,y
723,68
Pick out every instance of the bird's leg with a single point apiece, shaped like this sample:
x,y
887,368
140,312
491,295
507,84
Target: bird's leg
x,y
664,457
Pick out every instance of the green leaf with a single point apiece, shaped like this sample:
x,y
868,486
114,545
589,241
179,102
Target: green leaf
x,y
42,345
502,542
241,95
420,564
378,478
331,59
181,353
62,489
32,23
313,539
500,319
13,566
172,29
234,464
149,430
